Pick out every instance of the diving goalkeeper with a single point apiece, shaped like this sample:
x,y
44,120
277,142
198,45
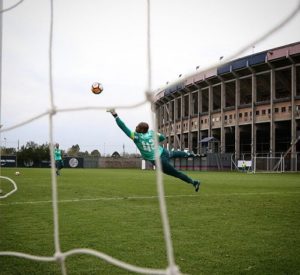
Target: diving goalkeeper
x,y
144,140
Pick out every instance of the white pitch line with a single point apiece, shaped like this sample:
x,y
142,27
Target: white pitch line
x,y
96,199
148,197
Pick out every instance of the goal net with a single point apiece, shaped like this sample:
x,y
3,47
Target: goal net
x,y
268,164
59,256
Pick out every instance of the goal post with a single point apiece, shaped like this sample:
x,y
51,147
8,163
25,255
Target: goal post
x,y
268,164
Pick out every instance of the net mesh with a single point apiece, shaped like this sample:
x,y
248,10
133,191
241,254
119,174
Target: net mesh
x,y
268,164
60,256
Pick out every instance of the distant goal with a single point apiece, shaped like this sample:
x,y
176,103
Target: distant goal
x,y
268,164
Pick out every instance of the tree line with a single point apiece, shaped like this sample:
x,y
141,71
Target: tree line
x,y
37,153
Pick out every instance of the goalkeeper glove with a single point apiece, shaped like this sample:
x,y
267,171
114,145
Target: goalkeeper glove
x,y
113,112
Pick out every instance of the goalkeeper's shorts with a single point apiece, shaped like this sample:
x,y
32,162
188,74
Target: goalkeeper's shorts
x,y
59,164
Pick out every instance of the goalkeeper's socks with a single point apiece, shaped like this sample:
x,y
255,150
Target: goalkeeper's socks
x,y
196,184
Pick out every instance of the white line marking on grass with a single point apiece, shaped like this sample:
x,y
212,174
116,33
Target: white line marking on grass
x,y
147,197
96,199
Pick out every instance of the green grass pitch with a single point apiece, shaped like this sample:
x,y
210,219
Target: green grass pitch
x,y
237,224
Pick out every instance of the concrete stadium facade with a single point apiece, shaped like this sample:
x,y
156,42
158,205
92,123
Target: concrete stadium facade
x,y
250,105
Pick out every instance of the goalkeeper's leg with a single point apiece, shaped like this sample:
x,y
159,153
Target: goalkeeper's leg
x,y
168,169
57,165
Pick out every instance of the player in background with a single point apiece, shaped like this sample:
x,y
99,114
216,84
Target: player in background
x,y
59,164
144,140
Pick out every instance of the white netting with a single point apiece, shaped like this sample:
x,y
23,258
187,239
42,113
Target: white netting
x,y
60,256
268,164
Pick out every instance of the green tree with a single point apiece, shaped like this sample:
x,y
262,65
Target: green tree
x,y
8,151
74,151
33,154
95,153
83,154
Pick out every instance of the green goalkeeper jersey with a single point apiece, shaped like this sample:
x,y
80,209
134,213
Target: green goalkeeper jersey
x,y
57,154
144,142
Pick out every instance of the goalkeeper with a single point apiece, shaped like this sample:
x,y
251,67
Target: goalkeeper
x,y
144,140
59,163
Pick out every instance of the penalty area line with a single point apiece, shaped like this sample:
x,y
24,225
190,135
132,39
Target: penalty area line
x,y
149,197
96,199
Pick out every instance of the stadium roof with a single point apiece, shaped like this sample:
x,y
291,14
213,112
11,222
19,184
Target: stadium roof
x,y
209,139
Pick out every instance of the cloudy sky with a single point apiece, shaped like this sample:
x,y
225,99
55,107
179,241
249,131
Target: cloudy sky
x,y
106,41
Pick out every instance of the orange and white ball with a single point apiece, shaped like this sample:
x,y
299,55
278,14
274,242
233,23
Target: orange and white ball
x,y
97,88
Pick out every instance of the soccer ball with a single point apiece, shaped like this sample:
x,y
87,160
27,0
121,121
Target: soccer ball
x,y
17,173
97,88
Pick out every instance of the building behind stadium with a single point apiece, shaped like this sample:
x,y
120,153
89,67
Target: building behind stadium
x,y
245,108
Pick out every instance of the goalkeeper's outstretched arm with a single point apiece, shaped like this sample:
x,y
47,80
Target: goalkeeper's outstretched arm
x,y
121,124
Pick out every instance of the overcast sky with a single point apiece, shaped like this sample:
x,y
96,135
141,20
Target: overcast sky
x,y
105,41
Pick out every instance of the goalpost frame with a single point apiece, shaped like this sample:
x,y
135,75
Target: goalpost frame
x,y
270,165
